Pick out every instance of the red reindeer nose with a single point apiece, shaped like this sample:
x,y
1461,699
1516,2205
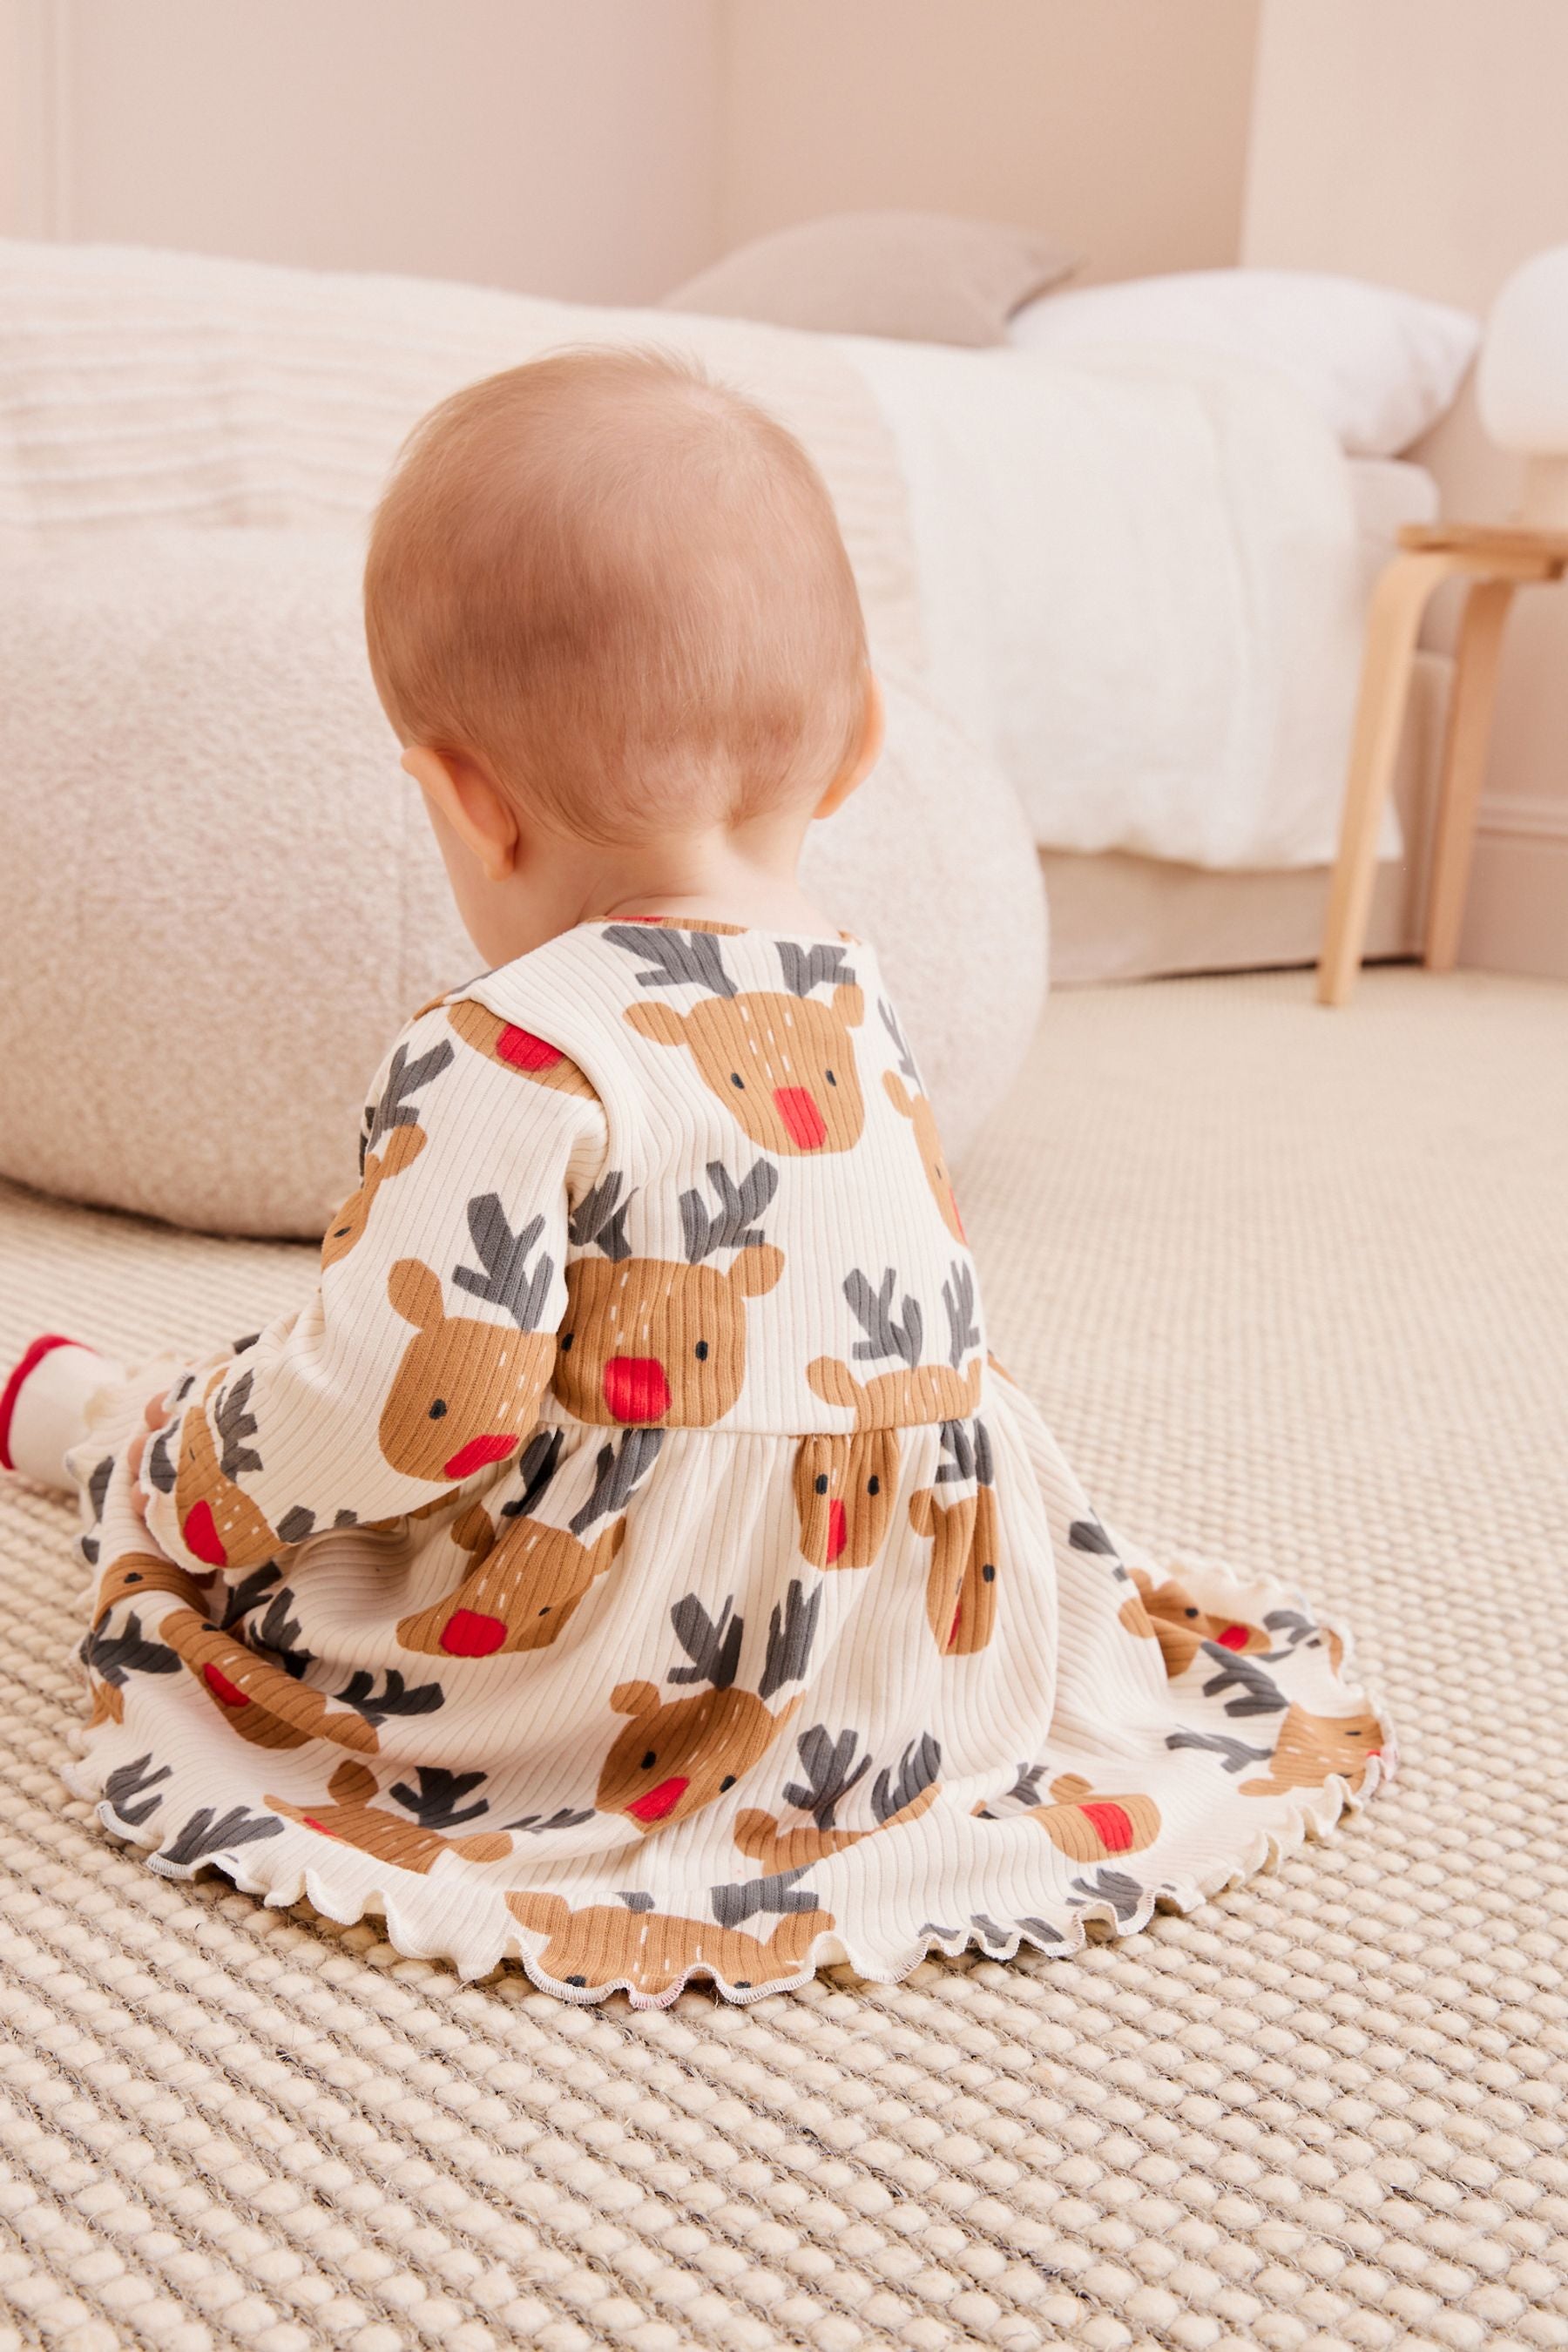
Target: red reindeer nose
x,y
467,1634
221,1687
202,1537
838,1530
796,1106
525,1051
635,1388
476,1454
1111,1824
661,1801
1235,1637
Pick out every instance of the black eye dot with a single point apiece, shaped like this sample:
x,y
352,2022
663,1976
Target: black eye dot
x,y
700,1351
439,1410
581,1981
988,1573
829,1077
339,1234
737,1080
1191,1613
565,1341
545,1610
727,1783
822,1483
649,1761
873,1485
133,1575
742,1984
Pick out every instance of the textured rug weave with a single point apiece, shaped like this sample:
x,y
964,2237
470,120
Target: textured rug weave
x,y
1291,1288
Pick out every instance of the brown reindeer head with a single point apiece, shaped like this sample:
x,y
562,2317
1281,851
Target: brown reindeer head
x,y
526,1583
951,1527
651,1950
218,1521
844,1496
466,1390
648,1341
258,1700
781,1062
966,1456
392,1123
138,1572
913,1393
414,1838
677,1755
516,1049
1086,1828
903,1089
1168,1613
1310,1747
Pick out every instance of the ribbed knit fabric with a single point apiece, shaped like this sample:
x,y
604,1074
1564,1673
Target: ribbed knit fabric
x,y
629,1558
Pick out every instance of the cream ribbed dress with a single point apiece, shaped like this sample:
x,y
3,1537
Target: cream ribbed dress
x,y
630,1559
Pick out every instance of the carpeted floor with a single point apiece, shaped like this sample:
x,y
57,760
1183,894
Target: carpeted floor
x,y
1293,1287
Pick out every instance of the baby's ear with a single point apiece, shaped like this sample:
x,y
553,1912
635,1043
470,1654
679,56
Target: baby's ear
x,y
756,1269
661,1022
415,1293
850,1004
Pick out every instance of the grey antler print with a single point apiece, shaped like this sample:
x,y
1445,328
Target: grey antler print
x,y
537,1463
395,1697
564,1818
505,1280
791,1632
958,1453
873,1310
829,1779
1258,1693
1235,1754
236,1422
437,1803
208,1832
115,1655
277,1633
128,1781
900,1043
805,968
714,1649
1113,1886
249,1593
779,1892
731,1225
674,959
917,1768
403,1080
617,1474
599,1220
958,1297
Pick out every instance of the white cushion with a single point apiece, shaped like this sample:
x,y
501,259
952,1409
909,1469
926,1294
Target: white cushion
x,y
219,899
1381,366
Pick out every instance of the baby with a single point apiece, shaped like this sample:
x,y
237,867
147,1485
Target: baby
x,y
629,1558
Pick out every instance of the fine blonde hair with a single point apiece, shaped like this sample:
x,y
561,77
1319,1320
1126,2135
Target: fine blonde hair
x,y
620,588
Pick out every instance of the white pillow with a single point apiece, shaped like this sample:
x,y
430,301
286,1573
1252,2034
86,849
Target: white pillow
x,y
1381,366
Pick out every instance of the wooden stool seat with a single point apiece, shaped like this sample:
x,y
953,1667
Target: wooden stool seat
x,y
1496,558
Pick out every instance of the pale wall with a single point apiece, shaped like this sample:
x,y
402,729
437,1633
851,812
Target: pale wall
x,y
1117,125
557,146
1423,143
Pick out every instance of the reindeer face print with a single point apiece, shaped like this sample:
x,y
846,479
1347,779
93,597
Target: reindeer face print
x,y
260,1701
951,1527
903,1089
651,1950
677,1755
1310,1747
138,1572
393,1124
1168,1613
843,1490
516,1049
412,1840
1089,1828
914,1392
650,1342
218,1521
782,1062
975,1619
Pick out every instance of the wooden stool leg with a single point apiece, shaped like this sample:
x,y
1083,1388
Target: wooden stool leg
x,y
1464,765
1397,604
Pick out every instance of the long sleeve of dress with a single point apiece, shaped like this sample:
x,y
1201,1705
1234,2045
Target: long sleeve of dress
x,y
420,1357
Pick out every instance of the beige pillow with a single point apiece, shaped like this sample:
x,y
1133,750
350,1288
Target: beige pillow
x,y
219,898
922,278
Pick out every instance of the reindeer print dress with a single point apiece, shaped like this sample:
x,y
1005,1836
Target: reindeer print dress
x,y
630,1561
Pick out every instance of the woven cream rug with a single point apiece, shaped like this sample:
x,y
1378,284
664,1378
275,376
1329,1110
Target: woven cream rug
x,y
1293,1287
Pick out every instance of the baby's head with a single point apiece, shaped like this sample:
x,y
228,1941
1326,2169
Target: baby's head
x,y
612,597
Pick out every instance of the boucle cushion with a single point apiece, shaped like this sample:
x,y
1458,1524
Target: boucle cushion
x,y
220,902
922,277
